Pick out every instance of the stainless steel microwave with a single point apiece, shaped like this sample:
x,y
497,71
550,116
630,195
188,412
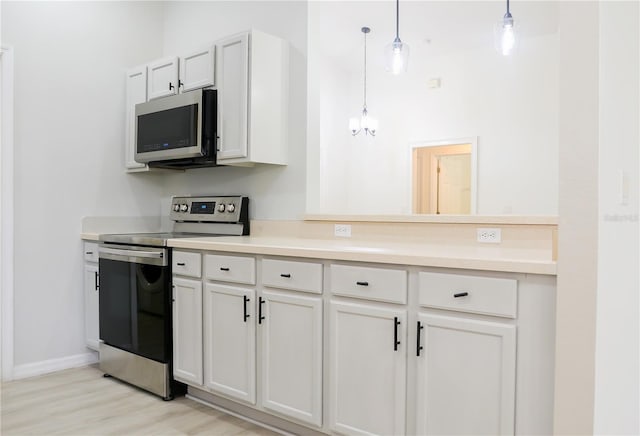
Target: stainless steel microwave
x,y
178,131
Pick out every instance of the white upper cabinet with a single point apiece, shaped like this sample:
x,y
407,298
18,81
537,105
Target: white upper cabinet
x,y
233,87
163,77
252,81
197,69
136,93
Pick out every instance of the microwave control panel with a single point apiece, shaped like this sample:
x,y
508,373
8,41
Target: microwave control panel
x,y
223,209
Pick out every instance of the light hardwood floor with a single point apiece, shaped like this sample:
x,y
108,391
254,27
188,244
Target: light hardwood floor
x,y
82,402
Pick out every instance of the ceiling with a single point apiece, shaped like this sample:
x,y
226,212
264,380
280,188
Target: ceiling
x,y
429,27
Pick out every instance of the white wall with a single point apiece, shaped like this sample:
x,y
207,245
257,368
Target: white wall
x,y
275,192
510,104
70,60
617,381
577,219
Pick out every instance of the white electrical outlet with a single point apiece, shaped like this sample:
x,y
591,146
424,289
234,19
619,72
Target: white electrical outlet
x,y
342,230
491,236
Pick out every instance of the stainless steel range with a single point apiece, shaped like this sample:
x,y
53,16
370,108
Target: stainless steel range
x,y
135,290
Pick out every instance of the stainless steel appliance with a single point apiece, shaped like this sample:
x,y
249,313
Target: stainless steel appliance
x,y
135,290
178,131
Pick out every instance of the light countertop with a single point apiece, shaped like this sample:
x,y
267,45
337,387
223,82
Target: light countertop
x,y
90,236
490,258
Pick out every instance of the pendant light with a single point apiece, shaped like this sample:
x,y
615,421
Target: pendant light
x,y
505,34
365,122
397,53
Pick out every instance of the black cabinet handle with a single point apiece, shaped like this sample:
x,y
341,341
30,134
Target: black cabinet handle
x,y
418,346
460,294
222,268
362,283
180,83
96,283
246,315
180,263
88,252
286,276
171,86
396,342
260,303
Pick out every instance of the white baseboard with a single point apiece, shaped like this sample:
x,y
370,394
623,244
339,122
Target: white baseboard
x,y
53,365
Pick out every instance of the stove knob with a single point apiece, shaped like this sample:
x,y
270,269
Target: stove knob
x,y
176,208
221,207
184,208
231,207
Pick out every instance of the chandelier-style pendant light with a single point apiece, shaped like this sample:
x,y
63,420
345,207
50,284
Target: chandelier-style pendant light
x,y
365,122
397,53
505,34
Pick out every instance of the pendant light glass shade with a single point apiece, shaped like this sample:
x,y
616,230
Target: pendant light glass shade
x,y
396,57
505,34
364,122
396,54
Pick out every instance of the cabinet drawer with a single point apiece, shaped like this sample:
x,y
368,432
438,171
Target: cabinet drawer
x,y
234,269
474,294
90,252
369,283
187,264
299,276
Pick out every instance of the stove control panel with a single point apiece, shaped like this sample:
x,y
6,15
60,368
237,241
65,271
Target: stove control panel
x,y
221,209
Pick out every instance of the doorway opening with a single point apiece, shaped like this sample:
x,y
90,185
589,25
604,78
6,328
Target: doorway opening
x,y
443,177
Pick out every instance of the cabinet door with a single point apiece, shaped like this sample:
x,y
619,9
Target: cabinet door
x,y
91,302
233,97
466,376
197,69
163,78
291,334
368,370
187,330
230,341
136,93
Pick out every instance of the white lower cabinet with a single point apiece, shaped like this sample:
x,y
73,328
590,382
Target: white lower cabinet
x,y
465,376
400,350
367,373
291,339
187,330
230,341
91,305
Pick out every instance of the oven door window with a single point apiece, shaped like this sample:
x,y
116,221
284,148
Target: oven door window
x,y
135,308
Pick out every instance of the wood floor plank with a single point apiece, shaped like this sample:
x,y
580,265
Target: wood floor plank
x,y
82,402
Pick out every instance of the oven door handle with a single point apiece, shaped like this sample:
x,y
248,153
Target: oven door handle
x,y
152,257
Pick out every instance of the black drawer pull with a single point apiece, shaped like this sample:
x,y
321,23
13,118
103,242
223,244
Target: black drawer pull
x,y
362,283
460,294
170,86
96,281
222,268
418,346
88,252
246,314
396,342
260,303
180,264
286,276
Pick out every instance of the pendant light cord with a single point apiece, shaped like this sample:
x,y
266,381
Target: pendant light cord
x,y
365,70
398,18
508,12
